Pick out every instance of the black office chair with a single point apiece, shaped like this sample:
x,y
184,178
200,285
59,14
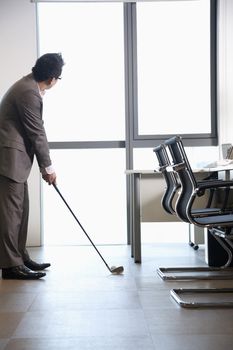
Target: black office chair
x,y
219,224
168,202
172,186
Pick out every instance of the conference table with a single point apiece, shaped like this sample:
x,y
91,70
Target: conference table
x,y
146,191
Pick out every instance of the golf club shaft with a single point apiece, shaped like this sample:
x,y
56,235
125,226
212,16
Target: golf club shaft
x,y
56,188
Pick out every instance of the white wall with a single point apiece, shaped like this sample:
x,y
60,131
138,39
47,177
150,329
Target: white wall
x,y
18,54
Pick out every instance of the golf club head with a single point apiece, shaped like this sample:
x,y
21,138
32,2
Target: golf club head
x,y
117,270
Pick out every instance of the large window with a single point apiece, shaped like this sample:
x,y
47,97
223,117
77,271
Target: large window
x,y
88,105
173,46
85,107
88,180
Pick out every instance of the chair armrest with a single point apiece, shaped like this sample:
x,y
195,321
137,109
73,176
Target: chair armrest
x,y
202,186
176,167
200,190
162,168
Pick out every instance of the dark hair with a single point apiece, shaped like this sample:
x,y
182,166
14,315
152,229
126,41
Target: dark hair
x,y
48,66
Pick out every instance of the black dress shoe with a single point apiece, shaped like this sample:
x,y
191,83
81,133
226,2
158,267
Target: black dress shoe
x,y
21,273
32,265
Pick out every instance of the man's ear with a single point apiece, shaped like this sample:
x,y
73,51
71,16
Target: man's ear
x,y
50,81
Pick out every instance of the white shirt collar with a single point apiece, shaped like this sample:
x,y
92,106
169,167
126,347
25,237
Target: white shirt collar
x,y
42,93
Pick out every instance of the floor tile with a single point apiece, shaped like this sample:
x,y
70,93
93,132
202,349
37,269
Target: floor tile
x,y
9,322
193,342
88,300
15,302
156,299
85,283
189,321
83,343
22,286
82,323
3,343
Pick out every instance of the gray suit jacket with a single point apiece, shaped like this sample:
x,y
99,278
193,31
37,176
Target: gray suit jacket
x,y
22,133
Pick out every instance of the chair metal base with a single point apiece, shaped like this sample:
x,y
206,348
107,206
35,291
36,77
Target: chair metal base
x,y
175,294
185,273
215,273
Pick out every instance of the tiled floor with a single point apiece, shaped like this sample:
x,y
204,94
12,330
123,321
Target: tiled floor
x,y
79,305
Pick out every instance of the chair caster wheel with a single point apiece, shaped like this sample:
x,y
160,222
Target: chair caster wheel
x,y
195,247
191,244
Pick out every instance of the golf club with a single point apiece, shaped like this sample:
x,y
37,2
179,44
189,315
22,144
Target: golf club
x,y
113,269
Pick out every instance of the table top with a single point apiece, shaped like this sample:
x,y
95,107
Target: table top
x,y
227,167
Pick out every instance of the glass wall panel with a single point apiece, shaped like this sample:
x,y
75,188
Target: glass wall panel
x,y
93,183
88,104
173,44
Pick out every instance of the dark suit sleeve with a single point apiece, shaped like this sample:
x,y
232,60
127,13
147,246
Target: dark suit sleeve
x,y
30,112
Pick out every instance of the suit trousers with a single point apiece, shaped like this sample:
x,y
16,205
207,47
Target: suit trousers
x,y
14,212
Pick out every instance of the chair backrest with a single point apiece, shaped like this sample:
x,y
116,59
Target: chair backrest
x,y
170,178
186,177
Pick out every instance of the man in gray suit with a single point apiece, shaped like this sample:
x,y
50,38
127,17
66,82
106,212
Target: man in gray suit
x,y
22,135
